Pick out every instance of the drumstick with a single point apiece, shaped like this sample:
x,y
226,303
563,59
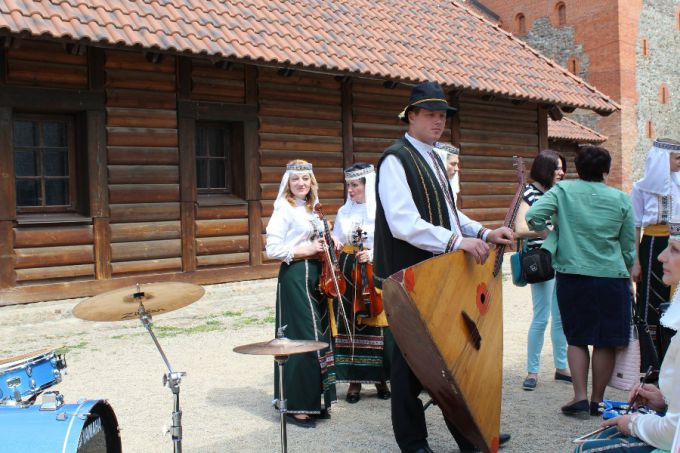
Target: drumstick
x,y
585,437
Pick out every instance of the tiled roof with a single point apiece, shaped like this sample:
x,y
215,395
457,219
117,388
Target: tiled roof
x,y
567,129
404,40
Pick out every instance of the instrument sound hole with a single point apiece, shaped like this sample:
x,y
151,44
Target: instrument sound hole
x,y
482,298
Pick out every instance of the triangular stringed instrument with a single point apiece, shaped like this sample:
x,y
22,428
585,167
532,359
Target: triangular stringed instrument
x,y
446,314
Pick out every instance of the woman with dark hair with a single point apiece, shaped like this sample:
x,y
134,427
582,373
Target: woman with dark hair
x,y
593,248
362,356
547,170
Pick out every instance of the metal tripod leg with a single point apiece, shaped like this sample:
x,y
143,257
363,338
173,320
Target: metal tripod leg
x,y
281,362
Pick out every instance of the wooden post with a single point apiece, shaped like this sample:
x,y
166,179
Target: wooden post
x,y
455,119
99,194
255,245
542,128
347,136
7,200
188,192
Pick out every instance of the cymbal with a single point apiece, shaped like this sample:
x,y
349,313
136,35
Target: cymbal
x,y
280,347
120,305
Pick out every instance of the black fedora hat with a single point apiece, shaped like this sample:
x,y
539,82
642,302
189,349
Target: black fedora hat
x,y
429,96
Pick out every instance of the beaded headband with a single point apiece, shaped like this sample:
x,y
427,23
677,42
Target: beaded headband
x,y
299,167
356,174
447,148
672,147
674,226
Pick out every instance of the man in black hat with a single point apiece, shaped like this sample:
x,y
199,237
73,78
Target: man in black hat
x,y
417,219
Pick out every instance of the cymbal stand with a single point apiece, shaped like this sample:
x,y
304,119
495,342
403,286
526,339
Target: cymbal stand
x,y
172,378
281,362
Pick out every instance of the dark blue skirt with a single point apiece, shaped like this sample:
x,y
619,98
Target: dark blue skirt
x,y
595,310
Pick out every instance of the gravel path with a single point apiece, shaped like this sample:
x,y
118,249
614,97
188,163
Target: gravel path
x,y
226,397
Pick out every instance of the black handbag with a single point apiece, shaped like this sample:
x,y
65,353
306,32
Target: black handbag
x,y
537,266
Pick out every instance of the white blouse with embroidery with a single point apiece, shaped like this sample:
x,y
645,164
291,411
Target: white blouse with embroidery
x,y
652,209
290,227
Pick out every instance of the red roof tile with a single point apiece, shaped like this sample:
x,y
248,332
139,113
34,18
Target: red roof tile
x,y
405,40
567,129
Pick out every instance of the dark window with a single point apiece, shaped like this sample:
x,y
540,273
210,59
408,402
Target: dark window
x,y
44,162
645,47
219,155
561,10
520,24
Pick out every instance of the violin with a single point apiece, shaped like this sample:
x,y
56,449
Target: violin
x,y
331,282
366,302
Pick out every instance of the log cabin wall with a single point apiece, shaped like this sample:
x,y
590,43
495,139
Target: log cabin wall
x,y
300,118
143,159
491,133
568,149
63,251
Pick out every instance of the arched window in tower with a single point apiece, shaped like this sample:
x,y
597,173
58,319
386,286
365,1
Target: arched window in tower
x,y
644,47
663,94
520,24
561,14
649,129
573,65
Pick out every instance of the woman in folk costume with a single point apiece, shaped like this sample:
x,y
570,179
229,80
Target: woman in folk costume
x,y
294,237
363,355
651,432
656,199
450,155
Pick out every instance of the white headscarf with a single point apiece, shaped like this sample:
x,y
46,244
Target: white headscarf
x,y
658,178
444,150
297,169
671,318
369,189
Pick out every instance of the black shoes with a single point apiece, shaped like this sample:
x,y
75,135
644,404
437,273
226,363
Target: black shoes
x,y
503,438
383,391
562,377
594,408
579,408
309,422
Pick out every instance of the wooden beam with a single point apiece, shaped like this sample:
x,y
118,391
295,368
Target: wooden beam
x,y
251,155
102,248
3,65
455,119
97,163
7,274
542,128
183,78
50,100
255,232
67,290
214,111
7,183
188,222
188,191
347,120
96,76
251,97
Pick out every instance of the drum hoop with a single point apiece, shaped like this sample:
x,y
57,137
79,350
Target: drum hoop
x,y
27,361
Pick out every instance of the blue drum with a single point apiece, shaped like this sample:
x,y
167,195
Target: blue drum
x,y
25,376
88,426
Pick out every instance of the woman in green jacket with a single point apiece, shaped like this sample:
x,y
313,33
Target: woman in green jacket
x,y
593,248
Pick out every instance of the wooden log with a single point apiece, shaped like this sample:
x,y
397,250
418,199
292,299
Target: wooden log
x,y
235,211
304,126
317,82
490,162
493,149
45,52
7,274
7,182
518,127
102,248
289,142
188,222
254,232
141,136
484,175
373,117
145,250
96,163
372,145
155,118
146,266
468,135
140,99
251,160
223,259
53,256
46,74
369,158
144,212
143,174
372,130
221,227
485,201
485,214
279,159
202,68
300,93
136,155
493,111
271,108
48,291
143,193
56,272
220,245
483,188
146,231
134,60
140,80
53,236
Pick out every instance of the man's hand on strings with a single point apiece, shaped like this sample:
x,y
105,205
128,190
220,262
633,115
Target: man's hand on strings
x,y
501,236
475,247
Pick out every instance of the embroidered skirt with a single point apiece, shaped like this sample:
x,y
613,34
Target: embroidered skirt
x,y
299,306
365,356
595,310
652,291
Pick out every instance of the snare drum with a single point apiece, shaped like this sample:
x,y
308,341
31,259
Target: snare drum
x,y
88,426
25,376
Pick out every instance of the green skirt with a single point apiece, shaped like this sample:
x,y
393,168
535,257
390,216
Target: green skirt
x,y
366,355
299,306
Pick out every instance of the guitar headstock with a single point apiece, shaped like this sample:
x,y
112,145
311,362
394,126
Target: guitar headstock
x,y
518,163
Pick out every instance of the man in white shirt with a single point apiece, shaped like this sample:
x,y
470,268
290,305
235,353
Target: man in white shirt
x,y
417,219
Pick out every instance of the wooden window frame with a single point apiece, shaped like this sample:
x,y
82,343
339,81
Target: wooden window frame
x,y
233,162
73,180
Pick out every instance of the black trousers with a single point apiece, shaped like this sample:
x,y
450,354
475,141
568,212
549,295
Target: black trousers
x,y
408,416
